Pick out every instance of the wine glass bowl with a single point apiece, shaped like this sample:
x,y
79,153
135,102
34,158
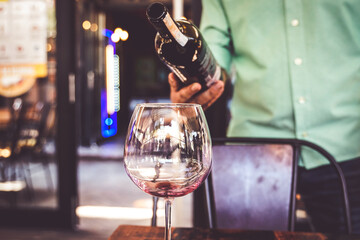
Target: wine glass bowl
x,y
168,150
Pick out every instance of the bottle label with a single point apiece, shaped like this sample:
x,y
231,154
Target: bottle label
x,y
174,30
209,69
210,80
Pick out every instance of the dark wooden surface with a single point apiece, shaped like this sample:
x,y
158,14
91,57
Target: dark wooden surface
x,y
130,232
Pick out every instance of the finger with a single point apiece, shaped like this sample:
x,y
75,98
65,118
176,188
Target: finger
x,y
208,97
173,82
183,94
186,93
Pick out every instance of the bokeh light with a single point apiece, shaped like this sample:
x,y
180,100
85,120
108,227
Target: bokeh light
x,y
86,25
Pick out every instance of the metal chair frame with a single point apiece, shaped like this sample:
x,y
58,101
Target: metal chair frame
x,y
296,145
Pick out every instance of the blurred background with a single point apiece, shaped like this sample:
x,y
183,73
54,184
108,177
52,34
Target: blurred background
x,y
71,73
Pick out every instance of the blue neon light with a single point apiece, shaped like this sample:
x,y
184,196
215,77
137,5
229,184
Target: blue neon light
x,y
107,33
107,130
109,121
109,125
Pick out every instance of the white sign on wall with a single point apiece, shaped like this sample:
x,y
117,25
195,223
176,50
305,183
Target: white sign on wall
x,y
23,41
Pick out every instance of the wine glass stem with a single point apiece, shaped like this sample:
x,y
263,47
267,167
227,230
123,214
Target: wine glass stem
x,y
168,202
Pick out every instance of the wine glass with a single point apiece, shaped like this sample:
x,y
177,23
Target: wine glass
x,y
168,151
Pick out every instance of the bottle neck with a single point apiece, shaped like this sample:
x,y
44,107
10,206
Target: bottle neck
x,y
174,30
160,18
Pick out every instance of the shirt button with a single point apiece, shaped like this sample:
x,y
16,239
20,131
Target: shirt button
x,y
304,134
294,22
298,61
301,100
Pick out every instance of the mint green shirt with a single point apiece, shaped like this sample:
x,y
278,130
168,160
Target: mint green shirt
x,y
297,68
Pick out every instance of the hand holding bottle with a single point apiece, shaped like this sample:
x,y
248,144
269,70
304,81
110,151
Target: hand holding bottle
x,y
179,94
180,46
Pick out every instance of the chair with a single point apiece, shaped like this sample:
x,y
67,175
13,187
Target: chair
x,y
253,184
31,138
12,177
24,141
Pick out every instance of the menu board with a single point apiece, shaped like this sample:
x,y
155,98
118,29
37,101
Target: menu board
x,y
23,41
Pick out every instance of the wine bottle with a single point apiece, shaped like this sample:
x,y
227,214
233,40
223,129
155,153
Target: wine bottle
x,y
181,47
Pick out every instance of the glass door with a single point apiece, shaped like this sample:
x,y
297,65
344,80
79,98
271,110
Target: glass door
x,y
37,114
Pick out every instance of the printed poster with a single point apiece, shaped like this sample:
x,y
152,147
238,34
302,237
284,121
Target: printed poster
x,y
23,42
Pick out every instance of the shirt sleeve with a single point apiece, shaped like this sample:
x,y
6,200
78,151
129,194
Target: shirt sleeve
x,y
216,32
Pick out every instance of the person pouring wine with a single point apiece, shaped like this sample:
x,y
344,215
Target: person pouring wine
x,y
297,67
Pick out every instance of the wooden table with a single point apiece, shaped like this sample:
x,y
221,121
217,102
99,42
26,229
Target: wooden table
x,y
131,232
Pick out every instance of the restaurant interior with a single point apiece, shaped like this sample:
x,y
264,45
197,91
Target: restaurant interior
x,y
63,64
71,184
